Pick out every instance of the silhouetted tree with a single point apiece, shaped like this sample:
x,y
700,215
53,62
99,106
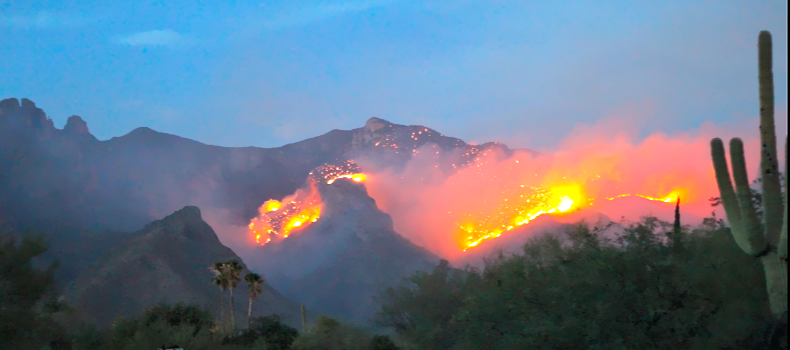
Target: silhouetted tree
x,y
232,270
221,280
254,283
580,289
27,299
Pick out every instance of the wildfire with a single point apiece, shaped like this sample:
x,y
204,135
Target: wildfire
x,y
520,206
531,203
331,172
672,197
277,219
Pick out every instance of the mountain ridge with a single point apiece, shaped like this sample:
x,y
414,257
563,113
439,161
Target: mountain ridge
x,y
168,259
83,192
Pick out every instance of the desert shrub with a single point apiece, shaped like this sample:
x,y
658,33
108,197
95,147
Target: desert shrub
x,y
331,334
266,331
88,337
382,342
27,298
580,290
179,314
163,324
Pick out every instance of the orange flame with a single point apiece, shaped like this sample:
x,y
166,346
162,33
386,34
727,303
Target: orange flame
x,y
277,219
556,200
280,218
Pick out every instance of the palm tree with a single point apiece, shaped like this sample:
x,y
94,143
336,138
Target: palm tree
x,y
232,270
220,279
254,282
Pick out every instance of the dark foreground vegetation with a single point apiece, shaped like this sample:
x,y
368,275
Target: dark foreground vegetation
x,y
650,286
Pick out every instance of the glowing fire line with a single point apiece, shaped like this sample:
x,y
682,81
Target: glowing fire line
x,y
280,218
556,200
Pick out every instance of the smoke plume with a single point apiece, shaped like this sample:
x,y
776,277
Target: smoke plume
x,y
600,169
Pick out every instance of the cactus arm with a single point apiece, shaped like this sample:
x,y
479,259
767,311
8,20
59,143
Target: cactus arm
x,y
304,319
783,238
773,207
750,240
752,244
728,198
750,226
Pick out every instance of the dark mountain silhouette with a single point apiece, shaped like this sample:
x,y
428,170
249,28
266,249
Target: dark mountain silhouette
x,y
67,176
84,192
167,260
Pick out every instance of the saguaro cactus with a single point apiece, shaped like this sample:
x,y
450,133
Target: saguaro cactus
x,y
767,241
304,319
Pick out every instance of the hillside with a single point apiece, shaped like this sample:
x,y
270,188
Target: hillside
x,y
168,260
337,264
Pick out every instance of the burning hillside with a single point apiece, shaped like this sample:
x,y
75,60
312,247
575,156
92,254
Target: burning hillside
x,y
280,218
595,170
450,196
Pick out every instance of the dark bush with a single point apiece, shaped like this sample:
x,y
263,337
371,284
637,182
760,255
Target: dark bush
x,y
582,289
382,342
276,335
27,298
331,334
180,323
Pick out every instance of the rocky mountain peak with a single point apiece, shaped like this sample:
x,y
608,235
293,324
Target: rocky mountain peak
x,y
9,105
28,115
187,222
375,124
76,126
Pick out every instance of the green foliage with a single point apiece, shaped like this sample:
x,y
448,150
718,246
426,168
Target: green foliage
x,y
438,296
162,323
266,330
579,290
161,332
88,337
331,334
27,300
222,281
254,283
228,275
382,342
179,314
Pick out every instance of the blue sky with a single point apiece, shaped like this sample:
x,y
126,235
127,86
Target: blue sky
x,y
269,73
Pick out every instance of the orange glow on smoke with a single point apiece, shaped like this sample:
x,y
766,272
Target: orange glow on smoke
x,y
594,170
355,177
531,203
278,219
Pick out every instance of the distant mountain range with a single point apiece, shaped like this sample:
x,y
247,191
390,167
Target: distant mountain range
x,y
85,193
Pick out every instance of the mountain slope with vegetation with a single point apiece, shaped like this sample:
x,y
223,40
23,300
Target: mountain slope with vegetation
x,y
168,260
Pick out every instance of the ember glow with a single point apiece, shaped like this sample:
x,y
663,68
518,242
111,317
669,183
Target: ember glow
x,y
330,173
278,219
523,204
595,170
